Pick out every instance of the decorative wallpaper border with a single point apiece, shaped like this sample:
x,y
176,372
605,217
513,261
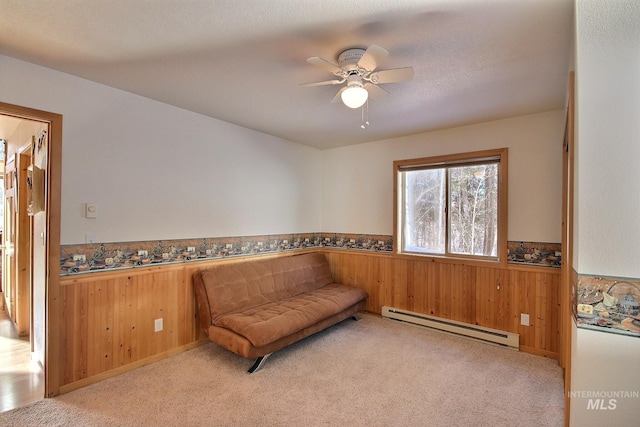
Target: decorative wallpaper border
x,y
608,304
543,254
98,257
83,258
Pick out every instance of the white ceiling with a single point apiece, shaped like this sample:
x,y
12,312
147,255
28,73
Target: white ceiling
x,y
243,61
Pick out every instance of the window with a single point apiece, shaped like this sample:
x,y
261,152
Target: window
x,y
452,206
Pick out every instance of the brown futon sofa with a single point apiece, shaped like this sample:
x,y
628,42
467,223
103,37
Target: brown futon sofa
x,y
256,307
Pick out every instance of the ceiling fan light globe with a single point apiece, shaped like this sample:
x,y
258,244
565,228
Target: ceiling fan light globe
x,y
354,96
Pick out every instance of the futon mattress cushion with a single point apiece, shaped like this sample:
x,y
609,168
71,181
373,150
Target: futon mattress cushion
x,y
271,321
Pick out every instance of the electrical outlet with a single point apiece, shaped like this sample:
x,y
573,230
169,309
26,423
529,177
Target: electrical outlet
x,y
158,325
524,319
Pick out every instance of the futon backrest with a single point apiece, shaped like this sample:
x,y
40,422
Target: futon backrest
x,y
235,287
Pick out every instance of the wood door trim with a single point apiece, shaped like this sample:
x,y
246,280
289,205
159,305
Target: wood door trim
x,y
566,299
53,205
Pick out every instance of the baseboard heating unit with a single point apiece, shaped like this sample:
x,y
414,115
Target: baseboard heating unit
x,y
491,336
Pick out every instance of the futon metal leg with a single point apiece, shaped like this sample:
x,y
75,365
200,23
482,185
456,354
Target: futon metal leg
x,y
259,362
356,317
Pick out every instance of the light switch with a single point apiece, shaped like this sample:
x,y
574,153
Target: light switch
x,y
90,210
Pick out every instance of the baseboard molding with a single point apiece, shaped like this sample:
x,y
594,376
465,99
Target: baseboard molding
x,y
66,388
543,353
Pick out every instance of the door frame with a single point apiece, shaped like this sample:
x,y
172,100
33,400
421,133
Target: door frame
x,y
567,288
52,244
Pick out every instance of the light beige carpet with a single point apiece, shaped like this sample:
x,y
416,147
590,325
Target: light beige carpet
x,y
374,372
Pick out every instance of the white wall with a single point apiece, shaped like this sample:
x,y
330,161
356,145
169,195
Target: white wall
x,y
159,172
357,192
608,121
607,197
605,363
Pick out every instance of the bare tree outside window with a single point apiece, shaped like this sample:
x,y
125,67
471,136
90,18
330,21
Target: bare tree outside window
x,y
424,208
473,219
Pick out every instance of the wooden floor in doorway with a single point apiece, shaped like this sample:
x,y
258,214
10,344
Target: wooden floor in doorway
x,y
21,379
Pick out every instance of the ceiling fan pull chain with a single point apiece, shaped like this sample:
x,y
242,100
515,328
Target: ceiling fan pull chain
x,y
365,115
366,122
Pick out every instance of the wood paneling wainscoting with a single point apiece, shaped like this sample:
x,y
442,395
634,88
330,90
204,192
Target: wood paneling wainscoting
x,y
107,324
107,318
487,296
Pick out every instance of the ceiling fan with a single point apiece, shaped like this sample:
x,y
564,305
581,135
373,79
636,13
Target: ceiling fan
x,y
357,68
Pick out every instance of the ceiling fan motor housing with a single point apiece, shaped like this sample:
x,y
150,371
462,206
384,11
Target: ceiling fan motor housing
x,y
348,59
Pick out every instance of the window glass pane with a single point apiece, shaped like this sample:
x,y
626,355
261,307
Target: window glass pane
x,y
424,220
473,210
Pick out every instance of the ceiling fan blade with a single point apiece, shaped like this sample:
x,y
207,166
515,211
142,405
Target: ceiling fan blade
x,y
326,82
337,98
375,91
372,57
393,75
323,63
